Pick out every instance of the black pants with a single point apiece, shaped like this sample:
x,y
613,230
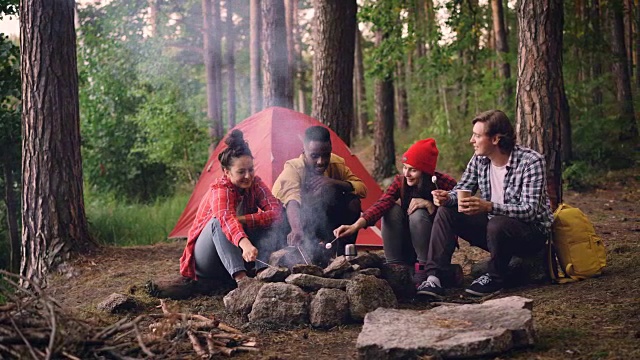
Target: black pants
x,y
320,215
502,236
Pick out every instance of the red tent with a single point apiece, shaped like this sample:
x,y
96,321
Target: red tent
x,y
275,136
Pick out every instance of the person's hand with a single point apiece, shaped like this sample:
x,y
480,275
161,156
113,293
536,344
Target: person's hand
x,y
249,252
440,197
474,205
345,230
316,183
418,203
294,238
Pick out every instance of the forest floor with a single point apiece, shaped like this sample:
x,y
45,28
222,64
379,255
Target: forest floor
x,y
594,319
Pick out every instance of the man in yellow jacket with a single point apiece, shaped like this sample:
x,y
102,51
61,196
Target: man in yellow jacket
x,y
319,192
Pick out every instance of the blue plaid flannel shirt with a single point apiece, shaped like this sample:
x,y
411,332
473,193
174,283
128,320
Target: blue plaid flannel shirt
x,y
525,187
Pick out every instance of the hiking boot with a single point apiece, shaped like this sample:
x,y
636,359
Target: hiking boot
x,y
420,274
430,288
485,285
175,287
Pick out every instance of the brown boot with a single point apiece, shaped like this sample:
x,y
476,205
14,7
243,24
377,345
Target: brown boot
x,y
175,287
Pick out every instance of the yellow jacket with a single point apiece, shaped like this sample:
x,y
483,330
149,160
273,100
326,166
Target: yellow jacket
x,y
288,184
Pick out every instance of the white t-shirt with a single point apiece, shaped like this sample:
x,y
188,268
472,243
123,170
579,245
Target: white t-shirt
x,y
496,175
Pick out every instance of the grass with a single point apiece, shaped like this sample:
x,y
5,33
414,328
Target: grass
x,y
118,224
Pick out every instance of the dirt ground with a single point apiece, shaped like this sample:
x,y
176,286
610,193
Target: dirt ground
x,y
594,319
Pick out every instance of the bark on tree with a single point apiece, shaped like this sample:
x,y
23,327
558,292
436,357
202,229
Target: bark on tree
x,y
290,19
153,17
276,86
300,66
231,66
384,163
596,61
212,69
628,126
360,89
637,48
502,49
628,26
402,105
54,224
334,38
255,55
12,220
216,28
541,103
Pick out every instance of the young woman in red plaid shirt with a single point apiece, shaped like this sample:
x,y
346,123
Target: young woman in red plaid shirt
x,y
235,222
406,227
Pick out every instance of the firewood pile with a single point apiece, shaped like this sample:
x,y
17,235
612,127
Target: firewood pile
x,y
34,325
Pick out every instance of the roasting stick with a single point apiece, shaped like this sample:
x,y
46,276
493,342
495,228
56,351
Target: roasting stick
x,y
264,263
303,257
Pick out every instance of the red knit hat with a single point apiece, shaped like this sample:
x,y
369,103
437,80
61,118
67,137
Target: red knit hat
x,y
423,155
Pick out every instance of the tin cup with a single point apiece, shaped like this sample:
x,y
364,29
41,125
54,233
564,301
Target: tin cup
x,y
350,251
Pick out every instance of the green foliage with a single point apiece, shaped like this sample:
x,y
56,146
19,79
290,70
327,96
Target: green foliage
x,y
581,176
113,222
142,132
10,132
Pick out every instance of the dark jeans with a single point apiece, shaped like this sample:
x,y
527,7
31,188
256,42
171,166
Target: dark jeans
x,y
406,237
321,215
502,236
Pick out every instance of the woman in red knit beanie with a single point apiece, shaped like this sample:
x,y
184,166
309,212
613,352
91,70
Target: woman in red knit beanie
x,y
406,228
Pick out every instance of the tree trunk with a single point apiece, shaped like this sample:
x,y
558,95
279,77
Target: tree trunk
x,y
596,59
541,104
275,85
334,39
637,48
255,58
153,18
290,12
628,26
12,219
360,88
216,27
402,106
502,49
231,66
384,160
212,67
628,126
54,225
300,67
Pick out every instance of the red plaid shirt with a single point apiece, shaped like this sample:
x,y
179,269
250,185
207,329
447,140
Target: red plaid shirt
x,y
221,202
386,201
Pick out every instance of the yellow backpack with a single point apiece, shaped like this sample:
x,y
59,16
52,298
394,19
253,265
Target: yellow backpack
x,y
574,249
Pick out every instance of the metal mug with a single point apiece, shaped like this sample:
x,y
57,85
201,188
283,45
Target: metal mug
x,y
350,251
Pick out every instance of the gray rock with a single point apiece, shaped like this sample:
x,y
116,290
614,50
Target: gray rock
x,y
307,269
368,271
280,304
367,260
371,271
466,331
116,303
273,274
367,293
329,308
338,266
312,283
286,257
241,299
400,279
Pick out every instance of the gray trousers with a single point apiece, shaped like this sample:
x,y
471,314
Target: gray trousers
x,y
406,237
217,257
